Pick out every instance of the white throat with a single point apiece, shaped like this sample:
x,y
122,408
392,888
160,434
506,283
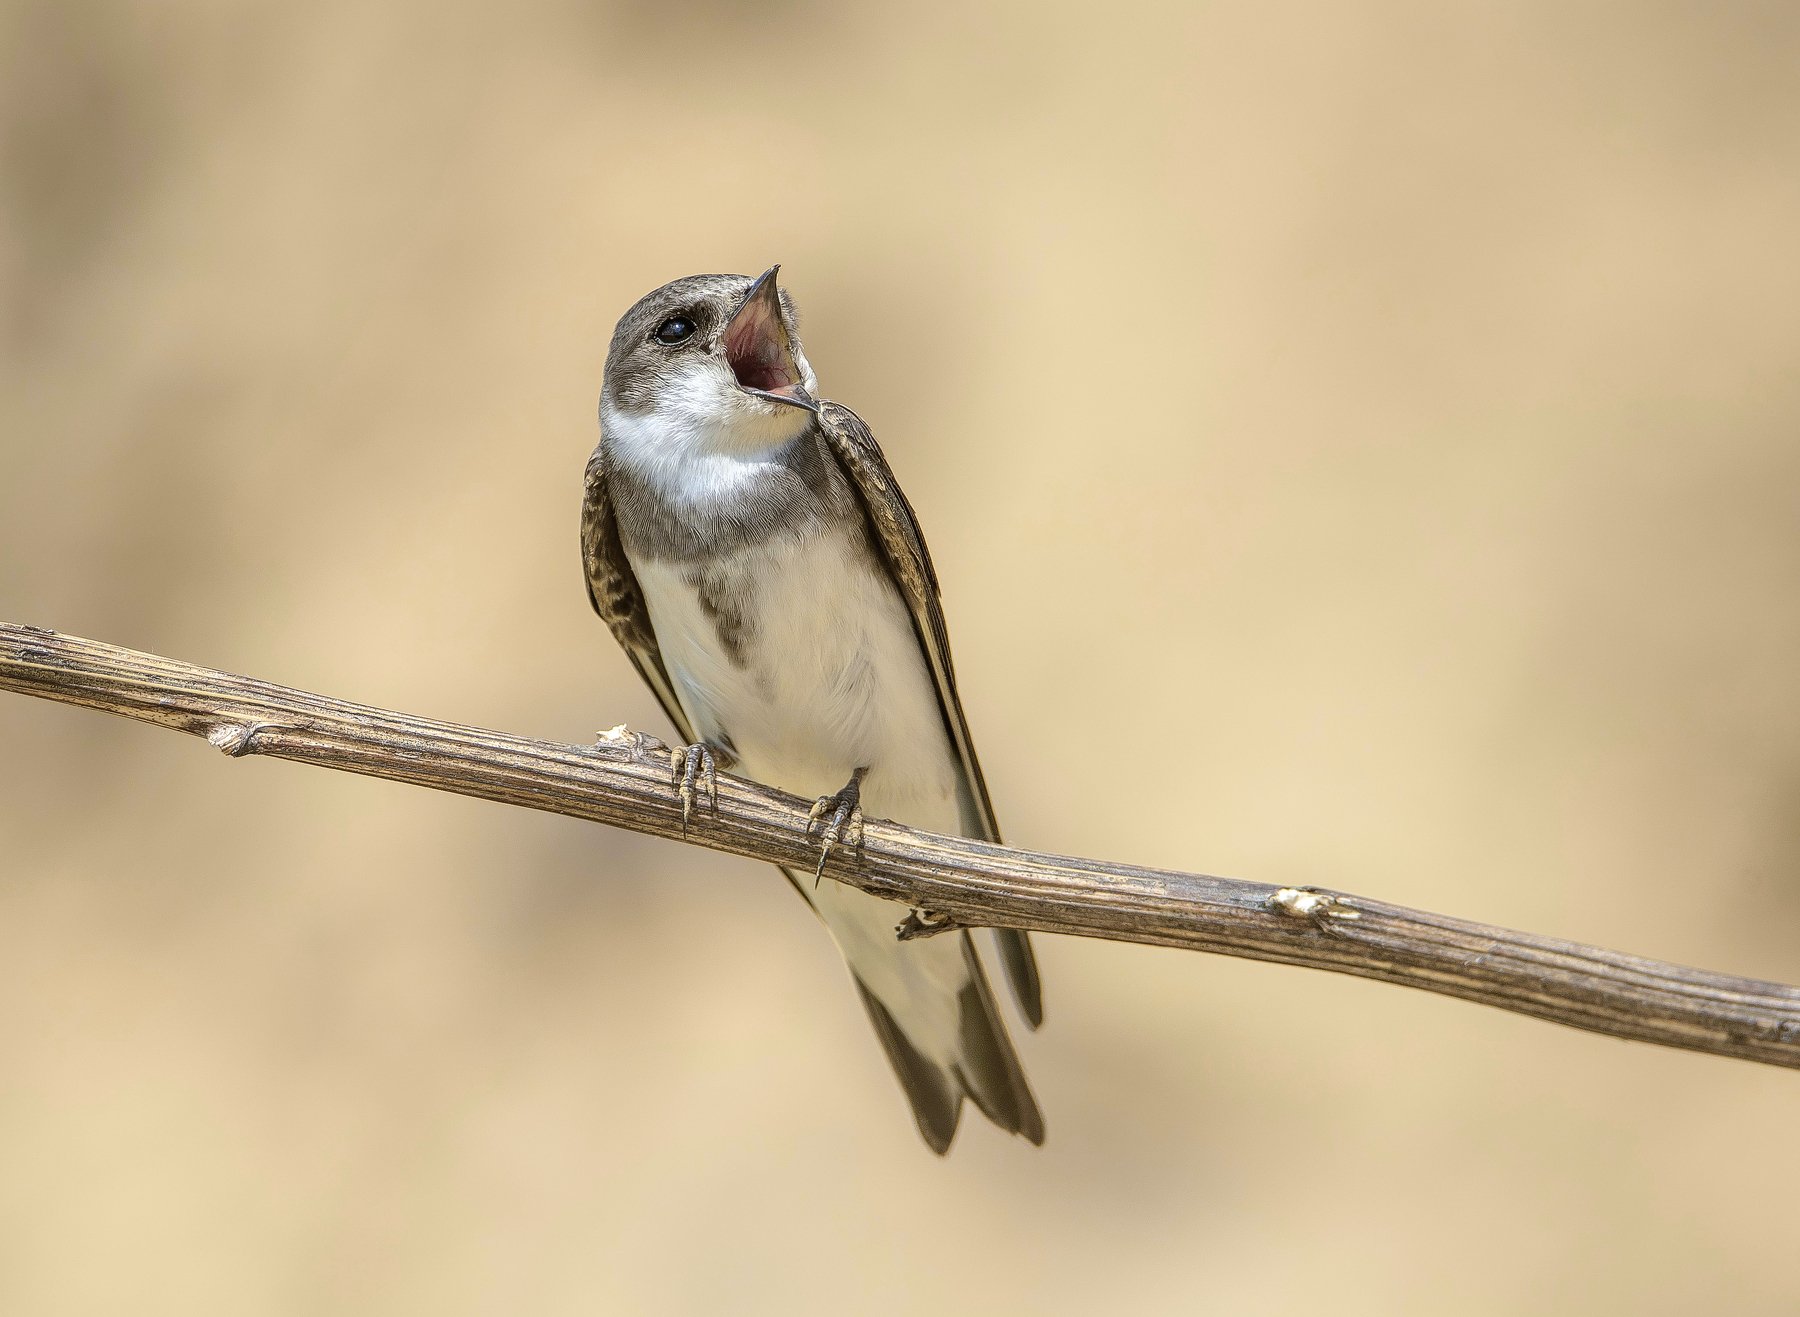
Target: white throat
x,y
699,455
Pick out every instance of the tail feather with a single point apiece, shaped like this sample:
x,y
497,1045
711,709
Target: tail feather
x,y
934,1013
936,1103
989,1067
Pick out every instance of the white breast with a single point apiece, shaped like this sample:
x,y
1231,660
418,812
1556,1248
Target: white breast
x,y
829,678
826,676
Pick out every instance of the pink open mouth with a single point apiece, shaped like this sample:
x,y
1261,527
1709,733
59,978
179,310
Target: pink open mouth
x,y
756,344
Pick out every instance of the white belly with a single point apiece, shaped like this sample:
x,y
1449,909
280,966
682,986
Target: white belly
x,y
826,676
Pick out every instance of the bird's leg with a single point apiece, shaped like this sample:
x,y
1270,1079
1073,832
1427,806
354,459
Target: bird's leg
x,y
687,763
842,816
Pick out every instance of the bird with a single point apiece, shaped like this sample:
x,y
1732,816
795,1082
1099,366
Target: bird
x,y
748,546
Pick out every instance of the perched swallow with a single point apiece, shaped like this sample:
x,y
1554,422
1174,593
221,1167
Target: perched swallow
x,y
751,551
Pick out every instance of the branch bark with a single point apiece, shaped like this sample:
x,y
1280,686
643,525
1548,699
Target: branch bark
x,y
948,881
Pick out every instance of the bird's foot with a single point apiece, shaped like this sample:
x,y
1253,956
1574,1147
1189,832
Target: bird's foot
x,y
842,817
687,764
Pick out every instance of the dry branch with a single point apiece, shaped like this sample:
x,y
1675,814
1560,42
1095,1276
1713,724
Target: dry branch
x,y
625,781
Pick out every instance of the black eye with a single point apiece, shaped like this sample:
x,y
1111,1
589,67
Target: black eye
x,y
674,330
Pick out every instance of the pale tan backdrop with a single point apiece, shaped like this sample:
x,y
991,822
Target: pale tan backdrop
x,y
1387,411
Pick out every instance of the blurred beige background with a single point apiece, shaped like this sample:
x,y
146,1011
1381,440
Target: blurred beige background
x,y
1393,405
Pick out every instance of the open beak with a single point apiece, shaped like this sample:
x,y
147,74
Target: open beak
x,y
759,351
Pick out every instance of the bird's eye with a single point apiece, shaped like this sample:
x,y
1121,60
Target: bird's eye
x,y
674,330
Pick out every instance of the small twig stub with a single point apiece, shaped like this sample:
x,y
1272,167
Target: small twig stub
x,y
1310,903
924,923
236,738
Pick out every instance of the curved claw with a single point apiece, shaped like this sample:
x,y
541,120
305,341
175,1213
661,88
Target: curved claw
x,y
686,764
845,823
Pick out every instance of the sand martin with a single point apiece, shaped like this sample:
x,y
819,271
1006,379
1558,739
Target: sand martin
x,y
751,551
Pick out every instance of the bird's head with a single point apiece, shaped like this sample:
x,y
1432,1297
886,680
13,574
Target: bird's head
x,y
710,363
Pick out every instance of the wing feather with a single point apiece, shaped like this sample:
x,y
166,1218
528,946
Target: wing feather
x,y
614,591
896,532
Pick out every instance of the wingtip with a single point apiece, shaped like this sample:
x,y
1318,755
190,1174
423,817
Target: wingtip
x,y
1019,962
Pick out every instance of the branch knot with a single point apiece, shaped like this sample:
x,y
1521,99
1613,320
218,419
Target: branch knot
x,y
237,739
